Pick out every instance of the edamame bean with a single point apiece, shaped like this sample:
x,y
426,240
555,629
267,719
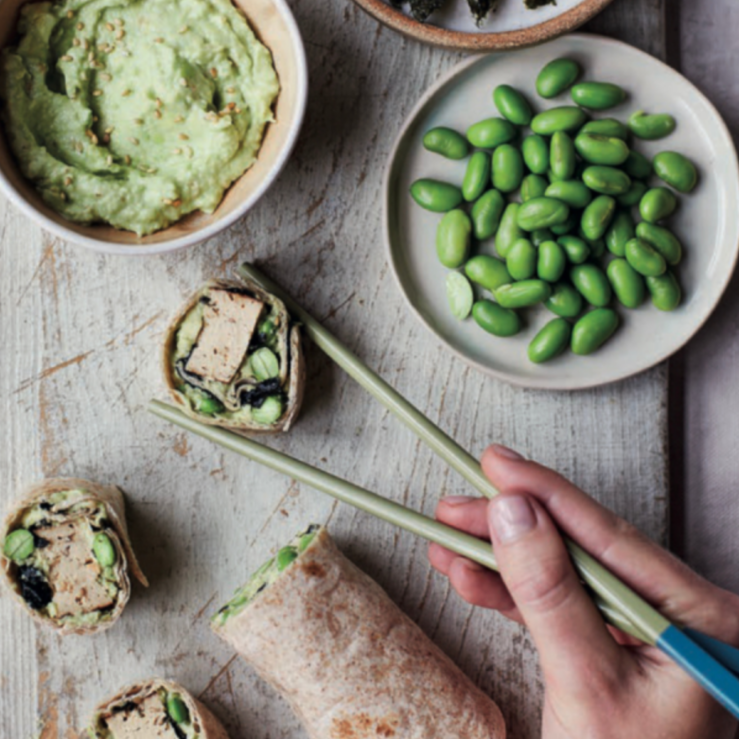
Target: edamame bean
x,y
591,282
512,105
447,142
523,294
644,258
488,272
620,232
477,176
597,217
665,291
598,95
606,180
565,301
576,249
496,319
551,341
491,132
556,77
657,204
19,545
651,127
177,710
627,283
637,166
597,149
562,156
564,118
459,295
453,239
207,405
542,213
552,262
435,195
607,127
285,557
507,168
486,213
264,364
536,153
103,549
573,192
508,231
593,330
663,240
633,195
541,235
676,170
521,260
533,186
566,227
597,246
269,412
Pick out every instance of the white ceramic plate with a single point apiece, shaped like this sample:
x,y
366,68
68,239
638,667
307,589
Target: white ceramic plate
x,y
707,222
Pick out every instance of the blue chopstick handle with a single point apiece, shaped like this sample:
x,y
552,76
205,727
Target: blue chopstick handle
x,y
717,679
721,651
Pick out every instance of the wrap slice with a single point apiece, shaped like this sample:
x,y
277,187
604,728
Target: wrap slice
x,y
346,658
66,555
154,709
233,358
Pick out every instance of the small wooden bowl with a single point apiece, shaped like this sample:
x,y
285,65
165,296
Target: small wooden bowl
x,y
275,26
429,33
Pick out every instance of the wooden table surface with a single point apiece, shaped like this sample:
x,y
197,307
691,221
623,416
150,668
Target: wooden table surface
x,y
80,340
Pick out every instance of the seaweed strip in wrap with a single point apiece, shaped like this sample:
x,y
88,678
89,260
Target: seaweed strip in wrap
x,y
290,345
422,9
203,723
112,500
349,661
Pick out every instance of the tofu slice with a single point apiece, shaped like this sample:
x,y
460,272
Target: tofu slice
x,y
229,322
73,570
147,721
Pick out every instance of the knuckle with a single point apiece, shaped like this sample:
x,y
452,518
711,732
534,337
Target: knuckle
x,y
545,586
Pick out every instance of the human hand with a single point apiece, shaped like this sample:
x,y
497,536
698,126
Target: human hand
x,y
599,683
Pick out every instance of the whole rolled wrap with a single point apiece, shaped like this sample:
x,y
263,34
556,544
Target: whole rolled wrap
x,y
346,658
239,400
154,709
62,516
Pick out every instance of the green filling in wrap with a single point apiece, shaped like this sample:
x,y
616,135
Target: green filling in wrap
x,y
267,574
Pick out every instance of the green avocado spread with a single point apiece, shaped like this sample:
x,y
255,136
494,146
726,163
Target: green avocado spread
x,y
135,112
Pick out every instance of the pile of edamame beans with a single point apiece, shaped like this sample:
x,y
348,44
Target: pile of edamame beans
x,y
572,242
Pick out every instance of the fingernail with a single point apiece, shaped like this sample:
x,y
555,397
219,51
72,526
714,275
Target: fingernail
x,y
457,500
510,517
504,451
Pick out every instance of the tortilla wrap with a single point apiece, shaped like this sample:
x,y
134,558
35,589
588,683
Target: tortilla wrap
x,y
288,348
202,723
111,498
351,664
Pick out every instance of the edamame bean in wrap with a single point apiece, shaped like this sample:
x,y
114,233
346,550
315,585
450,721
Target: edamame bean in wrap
x,y
154,709
346,658
66,555
233,358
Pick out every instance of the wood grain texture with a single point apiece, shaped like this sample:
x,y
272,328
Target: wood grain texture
x,y
80,336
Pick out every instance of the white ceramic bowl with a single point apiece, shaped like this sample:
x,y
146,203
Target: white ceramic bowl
x,y
707,221
275,26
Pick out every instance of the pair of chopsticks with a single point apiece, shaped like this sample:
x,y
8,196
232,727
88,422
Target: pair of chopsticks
x,y
710,662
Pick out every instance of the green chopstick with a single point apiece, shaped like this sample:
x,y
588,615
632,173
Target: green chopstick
x,y
387,510
614,593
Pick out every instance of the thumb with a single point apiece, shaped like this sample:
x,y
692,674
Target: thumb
x,y
536,569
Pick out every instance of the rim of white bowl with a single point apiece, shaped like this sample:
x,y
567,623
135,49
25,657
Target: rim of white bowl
x,y
542,383
197,237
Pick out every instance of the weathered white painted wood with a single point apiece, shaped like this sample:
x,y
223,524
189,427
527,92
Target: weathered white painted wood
x,y
80,335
